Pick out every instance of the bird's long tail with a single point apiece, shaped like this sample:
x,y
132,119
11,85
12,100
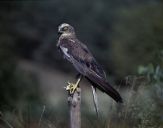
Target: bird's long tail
x,y
104,86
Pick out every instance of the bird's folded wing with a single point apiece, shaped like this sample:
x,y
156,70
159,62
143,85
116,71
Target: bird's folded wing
x,y
93,72
103,85
80,56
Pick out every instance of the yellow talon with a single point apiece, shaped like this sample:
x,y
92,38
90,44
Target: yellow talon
x,y
71,87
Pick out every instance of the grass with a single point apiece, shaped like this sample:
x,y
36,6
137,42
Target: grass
x,y
138,111
142,107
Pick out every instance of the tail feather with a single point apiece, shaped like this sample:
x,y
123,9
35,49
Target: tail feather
x,y
104,86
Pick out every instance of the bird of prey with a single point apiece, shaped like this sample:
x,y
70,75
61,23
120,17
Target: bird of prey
x,y
82,59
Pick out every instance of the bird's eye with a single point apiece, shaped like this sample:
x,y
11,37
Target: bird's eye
x,y
65,28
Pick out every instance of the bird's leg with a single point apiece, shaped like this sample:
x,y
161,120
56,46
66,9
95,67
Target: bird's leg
x,y
71,87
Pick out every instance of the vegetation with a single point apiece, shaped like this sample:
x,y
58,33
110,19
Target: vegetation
x,y
126,38
137,37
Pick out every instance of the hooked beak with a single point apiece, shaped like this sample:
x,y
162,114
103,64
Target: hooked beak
x,y
59,32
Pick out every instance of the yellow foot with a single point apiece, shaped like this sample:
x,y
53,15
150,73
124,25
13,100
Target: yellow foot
x,y
71,87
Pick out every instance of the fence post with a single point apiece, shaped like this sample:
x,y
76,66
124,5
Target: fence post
x,y
74,102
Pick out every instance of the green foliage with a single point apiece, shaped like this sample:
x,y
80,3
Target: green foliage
x,y
137,37
18,88
15,85
112,30
154,72
155,83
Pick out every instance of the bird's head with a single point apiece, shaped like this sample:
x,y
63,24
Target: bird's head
x,y
65,29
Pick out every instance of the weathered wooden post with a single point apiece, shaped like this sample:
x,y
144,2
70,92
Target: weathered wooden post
x,y
74,102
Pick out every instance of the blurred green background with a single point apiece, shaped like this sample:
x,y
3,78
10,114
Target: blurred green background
x,y
125,36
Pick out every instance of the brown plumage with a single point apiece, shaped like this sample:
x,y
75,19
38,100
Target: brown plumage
x,y
84,62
